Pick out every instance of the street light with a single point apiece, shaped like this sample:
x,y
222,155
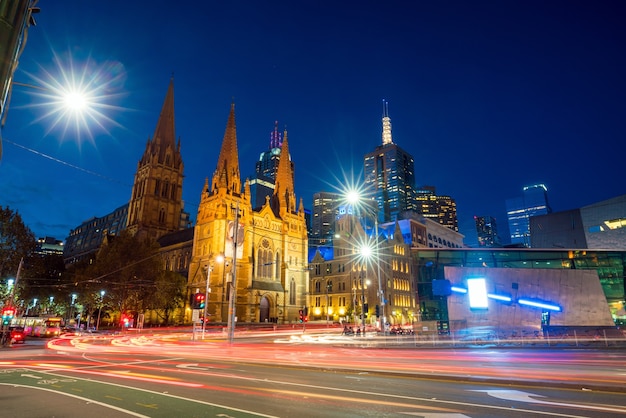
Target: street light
x,y
100,309
219,259
354,198
364,284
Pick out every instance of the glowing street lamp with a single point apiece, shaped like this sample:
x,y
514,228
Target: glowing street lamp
x,y
100,308
219,259
353,197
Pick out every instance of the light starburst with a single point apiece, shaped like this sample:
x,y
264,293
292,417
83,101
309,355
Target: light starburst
x,y
77,97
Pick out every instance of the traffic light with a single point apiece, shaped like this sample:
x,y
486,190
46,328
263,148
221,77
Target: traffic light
x,y
301,312
125,321
198,301
7,315
377,311
366,309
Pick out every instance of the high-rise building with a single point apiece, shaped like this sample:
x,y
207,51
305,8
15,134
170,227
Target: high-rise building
x,y
390,175
262,183
156,205
441,209
487,231
325,211
532,202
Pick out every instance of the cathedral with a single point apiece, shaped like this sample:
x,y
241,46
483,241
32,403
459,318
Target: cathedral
x,y
260,253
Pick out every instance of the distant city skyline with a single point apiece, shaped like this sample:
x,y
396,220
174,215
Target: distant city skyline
x,y
487,99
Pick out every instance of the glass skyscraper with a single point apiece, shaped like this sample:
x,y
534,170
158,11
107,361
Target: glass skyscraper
x,y
534,201
390,175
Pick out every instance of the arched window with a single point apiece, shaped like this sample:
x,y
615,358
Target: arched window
x,y
292,292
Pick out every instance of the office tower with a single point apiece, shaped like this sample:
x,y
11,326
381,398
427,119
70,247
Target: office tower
x,y
156,205
262,182
441,209
390,175
487,231
532,202
325,211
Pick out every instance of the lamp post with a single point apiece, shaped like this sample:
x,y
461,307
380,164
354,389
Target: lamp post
x,y
207,290
233,284
354,198
364,284
100,309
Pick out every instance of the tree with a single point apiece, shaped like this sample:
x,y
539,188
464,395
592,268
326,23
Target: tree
x,y
17,242
169,295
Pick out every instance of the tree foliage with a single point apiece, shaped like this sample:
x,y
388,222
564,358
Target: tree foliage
x,y
17,242
131,273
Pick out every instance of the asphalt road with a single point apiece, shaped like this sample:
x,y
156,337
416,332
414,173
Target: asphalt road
x,y
165,377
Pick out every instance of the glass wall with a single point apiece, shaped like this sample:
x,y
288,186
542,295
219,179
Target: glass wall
x,y
429,265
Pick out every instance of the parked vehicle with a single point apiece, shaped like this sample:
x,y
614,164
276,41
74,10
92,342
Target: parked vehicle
x,y
17,335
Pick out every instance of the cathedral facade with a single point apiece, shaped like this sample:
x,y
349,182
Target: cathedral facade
x,y
260,254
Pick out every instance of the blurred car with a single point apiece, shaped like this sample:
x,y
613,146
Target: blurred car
x,y
17,335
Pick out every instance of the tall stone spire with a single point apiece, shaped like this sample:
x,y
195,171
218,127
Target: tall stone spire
x,y
165,133
156,201
386,124
227,172
284,195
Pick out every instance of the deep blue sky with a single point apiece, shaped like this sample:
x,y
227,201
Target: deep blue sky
x,y
486,96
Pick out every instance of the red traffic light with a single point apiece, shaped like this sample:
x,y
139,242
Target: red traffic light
x,y
8,312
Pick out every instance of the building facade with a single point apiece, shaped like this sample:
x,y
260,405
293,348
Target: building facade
x,y
261,254
156,204
325,211
390,175
532,202
487,231
441,209
601,225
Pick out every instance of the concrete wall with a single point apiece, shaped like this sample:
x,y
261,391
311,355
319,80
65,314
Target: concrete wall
x,y
578,292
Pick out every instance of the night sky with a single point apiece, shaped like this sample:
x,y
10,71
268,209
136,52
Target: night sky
x,y
487,96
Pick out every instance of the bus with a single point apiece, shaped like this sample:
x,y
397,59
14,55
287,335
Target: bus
x,y
40,326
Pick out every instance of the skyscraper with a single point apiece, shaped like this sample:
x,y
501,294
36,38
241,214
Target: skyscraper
x,y
390,175
534,201
262,182
487,231
325,211
441,209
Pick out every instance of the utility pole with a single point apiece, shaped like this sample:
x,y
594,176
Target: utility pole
x,y
233,285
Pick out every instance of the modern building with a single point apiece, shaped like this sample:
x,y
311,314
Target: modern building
x,y
390,175
16,17
600,225
325,211
49,246
519,210
487,231
441,209
421,232
261,254
518,291
85,240
262,183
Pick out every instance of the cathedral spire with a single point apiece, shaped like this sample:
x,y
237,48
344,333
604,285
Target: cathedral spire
x,y
386,124
284,191
227,171
165,134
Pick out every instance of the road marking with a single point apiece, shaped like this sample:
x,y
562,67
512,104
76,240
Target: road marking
x,y
32,376
520,396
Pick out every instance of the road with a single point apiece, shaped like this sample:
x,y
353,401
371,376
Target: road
x,y
168,375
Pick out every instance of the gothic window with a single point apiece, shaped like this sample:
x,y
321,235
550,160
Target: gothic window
x,y
318,287
157,187
173,196
162,216
165,189
292,292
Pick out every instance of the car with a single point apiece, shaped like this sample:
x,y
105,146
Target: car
x,y
17,335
